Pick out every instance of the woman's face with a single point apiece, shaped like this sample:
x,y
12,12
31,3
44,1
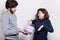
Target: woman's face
x,y
41,15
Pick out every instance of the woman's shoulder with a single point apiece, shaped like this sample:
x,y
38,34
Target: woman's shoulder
x,y
47,21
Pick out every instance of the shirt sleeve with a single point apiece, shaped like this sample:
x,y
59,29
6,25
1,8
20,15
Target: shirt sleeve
x,y
48,26
33,21
18,29
5,23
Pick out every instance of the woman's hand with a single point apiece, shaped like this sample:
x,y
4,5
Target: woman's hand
x,y
29,22
40,27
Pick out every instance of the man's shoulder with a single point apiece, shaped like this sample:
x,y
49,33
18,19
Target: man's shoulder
x,y
5,14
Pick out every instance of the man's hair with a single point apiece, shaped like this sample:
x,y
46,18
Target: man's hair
x,y
11,4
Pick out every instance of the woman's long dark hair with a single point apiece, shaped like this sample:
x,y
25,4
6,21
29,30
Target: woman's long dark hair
x,y
43,10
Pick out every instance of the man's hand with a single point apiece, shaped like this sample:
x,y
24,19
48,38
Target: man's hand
x,y
22,31
40,27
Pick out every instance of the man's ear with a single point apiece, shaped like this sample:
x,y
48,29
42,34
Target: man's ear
x,y
8,8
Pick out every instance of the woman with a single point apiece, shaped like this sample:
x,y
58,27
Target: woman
x,y
42,25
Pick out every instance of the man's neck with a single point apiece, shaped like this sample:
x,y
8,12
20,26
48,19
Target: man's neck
x,y
9,12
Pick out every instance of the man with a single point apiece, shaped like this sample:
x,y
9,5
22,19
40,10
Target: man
x,y
9,21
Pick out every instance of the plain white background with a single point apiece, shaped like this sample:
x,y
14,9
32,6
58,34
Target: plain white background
x,y
26,11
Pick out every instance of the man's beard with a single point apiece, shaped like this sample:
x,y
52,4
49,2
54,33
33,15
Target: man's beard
x,y
11,11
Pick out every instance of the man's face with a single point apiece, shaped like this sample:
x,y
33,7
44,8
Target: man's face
x,y
12,10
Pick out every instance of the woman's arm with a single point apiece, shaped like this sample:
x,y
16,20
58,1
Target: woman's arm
x,y
48,26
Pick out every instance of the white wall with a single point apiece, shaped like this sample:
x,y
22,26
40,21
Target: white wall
x,y
1,11
27,9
